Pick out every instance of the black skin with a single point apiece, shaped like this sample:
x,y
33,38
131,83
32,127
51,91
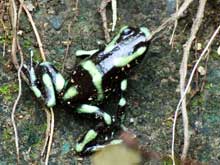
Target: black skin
x,y
130,40
112,76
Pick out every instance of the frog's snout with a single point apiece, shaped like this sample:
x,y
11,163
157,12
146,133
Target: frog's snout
x,y
146,32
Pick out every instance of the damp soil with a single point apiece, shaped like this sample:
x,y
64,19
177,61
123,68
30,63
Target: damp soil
x,y
153,89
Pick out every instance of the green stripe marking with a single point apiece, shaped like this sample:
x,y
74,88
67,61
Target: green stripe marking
x,y
70,93
112,44
51,100
91,135
124,60
96,77
124,84
122,102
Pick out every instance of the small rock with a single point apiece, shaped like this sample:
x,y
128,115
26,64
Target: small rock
x,y
201,70
70,63
20,33
199,46
20,117
131,120
30,6
56,22
1,110
65,148
5,18
218,50
171,6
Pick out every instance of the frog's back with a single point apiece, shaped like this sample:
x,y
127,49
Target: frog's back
x,y
100,75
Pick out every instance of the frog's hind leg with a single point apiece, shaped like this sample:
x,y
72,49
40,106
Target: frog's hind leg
x,y
91,109
92,134
84,145
87,143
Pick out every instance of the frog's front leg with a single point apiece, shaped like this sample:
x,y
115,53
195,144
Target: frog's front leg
x,y
45,81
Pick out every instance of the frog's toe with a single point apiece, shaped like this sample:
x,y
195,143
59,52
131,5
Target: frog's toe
x,y
90,136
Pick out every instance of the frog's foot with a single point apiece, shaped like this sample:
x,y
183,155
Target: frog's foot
x,y
44,81
88,143
99,147
88,138
29,70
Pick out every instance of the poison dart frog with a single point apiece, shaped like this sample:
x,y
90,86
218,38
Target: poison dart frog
x,y
103,73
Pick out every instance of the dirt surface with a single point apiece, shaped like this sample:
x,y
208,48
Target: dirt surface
x,y
153,90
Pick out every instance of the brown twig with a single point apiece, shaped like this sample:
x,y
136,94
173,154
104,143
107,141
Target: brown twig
x,y
174,17
114,14
24,77
206,68
67,48
14,109
183,72
5,35
35,30
19,13
15,42
13,55
47,134
14,48
191,77
175,25
14,32
5,28
102,11
19,67
51,136
44,59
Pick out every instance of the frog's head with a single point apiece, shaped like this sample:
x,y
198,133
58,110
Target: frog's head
x,y
127,33
129,44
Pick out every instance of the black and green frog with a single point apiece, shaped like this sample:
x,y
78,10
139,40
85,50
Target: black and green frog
x,y
102,74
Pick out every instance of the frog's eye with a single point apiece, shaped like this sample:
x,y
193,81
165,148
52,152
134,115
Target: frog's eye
x,y
128,32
